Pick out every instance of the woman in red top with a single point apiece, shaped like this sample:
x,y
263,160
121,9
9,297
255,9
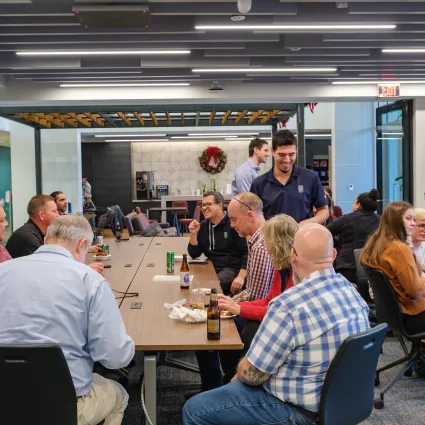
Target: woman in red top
x,y
279,234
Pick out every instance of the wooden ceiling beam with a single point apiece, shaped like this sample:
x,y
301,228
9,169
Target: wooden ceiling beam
x,y
226,117
154,118
240,116
254,116
167,114
80,118
35,119
198,117
182,118
51,119
139,118
65,119
269,115
95,118
212,115
124,118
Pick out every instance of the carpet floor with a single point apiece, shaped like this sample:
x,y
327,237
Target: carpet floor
x,y
404,403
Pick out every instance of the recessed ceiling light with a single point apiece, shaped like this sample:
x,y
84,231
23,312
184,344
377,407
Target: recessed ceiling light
x,y
296,27
378,82
403,50
223,134
130,135
201,137
102,52
251,70
137,140
392,134
388,138
126,85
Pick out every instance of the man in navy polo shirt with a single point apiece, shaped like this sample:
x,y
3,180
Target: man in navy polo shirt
x,y
288,188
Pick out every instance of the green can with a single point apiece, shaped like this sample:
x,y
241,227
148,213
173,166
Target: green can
x,y
170,262
105,248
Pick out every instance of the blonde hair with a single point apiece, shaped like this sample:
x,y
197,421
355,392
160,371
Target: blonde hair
x,y
419,213
279,233
38,203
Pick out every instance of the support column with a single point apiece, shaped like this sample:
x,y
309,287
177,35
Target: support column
x,y
38,166
301,157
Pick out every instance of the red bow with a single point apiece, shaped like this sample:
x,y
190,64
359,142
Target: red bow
x,y
212,152
312,106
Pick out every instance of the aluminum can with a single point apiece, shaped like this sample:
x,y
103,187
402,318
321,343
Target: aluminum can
x,y
105,248
100,240
170,262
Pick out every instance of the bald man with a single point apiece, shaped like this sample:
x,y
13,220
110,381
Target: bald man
x,y
281,377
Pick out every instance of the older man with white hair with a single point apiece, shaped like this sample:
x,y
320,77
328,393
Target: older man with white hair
x,y
4,255
281,377
52,297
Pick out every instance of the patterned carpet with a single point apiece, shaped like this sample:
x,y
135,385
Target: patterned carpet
x,y
404,403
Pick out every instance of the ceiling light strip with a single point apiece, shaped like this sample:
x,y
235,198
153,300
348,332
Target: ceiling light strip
x,y
126,85
130,135
101,52
378,82
296,27
251,70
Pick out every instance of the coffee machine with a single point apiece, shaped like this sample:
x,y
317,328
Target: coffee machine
x,y
144,185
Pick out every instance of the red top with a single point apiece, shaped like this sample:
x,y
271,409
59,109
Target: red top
x,y
256,310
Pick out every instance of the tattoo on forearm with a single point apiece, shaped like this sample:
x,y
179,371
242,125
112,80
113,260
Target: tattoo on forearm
x,y
252,376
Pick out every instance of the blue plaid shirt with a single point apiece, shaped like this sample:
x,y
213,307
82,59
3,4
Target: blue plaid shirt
x,y
301,333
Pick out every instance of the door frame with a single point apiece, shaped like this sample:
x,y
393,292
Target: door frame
x,y
406,107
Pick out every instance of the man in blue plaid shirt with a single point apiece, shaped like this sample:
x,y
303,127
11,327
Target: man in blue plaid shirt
x,y
280,379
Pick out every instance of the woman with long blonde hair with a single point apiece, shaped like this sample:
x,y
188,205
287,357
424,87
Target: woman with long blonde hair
x,y
388,250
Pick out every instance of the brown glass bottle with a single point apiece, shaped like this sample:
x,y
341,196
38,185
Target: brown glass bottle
x,y
184,273
213,318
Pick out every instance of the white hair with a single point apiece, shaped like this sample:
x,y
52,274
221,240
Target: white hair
x,y
1,203
69,229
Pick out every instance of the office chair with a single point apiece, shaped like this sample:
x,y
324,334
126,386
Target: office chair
x,y
37,386
348,390
388,310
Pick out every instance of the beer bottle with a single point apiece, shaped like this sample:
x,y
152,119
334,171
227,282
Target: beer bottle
x,y
184,273
118,233
213,318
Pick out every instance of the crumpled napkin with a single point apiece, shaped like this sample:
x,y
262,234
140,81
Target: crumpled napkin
x,y
185,314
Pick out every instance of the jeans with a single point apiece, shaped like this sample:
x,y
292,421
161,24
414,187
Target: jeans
x,y
106,400
240,404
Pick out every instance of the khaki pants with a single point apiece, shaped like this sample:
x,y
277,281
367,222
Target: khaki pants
x,y
106,400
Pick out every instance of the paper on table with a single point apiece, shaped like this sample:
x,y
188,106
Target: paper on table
x,y
172,278
187,315
176,304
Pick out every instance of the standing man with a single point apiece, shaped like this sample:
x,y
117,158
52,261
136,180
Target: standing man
x,y
219,242
61,202
4,255
248,171
288,188
52,297
87,196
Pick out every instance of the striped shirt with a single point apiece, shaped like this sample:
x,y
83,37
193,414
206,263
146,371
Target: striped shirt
x,y
259,270
301,333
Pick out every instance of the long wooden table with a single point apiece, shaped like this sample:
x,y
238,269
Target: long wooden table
x,y
151,328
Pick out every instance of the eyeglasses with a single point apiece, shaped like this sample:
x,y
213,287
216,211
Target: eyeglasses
x,y
207,204
243,203
293,247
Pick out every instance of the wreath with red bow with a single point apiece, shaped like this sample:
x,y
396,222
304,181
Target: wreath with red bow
x,y
218,156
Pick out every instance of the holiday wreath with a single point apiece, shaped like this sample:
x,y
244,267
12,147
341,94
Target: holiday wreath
x,y
219,157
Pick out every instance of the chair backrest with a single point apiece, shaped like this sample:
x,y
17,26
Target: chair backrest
x,y
129,224
337,211
387,305
348,391
140,223
37,386
197,214
180,204
362,278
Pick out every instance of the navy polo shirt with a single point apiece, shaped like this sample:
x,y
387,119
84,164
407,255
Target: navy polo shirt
x,y
296,198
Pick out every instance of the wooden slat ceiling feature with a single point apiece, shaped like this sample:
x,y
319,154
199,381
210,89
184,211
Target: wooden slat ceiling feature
x,y
65,119
182,118
99,121
124,118
35,119
80,118
139,118
153,116
51,119
226,117
254,116
167,114
212,115
268,115
240,116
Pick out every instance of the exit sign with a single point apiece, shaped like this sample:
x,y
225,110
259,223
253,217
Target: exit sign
x,y
389,90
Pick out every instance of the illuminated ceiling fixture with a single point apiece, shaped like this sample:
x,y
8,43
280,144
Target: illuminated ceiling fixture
x,y
296,27
224,134
130,135
102,52
126,85
389,82
201,137
264,70
137,140
403,50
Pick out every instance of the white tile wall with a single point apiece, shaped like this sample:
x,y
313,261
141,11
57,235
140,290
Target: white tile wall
x,y
177,165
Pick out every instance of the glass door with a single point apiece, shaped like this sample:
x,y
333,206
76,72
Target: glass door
x,y
393,152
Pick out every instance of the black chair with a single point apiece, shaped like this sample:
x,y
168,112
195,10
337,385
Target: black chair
x,y
388,310
37,386
348,390
362,279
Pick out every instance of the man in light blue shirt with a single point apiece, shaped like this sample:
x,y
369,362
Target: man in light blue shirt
x,y
248,171
52,297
